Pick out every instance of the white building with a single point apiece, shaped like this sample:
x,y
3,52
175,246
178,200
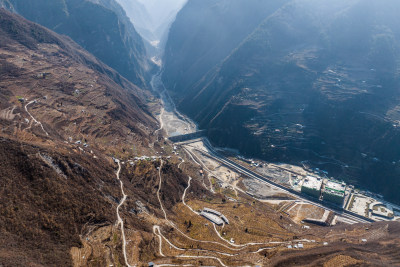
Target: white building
x,y
312,186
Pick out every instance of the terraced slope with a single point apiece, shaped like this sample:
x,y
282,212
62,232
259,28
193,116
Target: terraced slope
x,y
63,115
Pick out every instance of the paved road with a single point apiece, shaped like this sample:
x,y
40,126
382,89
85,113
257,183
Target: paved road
x,y
216,156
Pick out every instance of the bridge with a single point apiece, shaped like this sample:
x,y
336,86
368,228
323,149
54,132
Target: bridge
x,y
186,137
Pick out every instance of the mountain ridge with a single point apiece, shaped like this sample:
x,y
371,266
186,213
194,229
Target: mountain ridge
x,y
295,89
78,189
63,115
109,34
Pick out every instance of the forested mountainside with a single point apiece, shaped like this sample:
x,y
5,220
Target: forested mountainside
x,y
316,82
99,26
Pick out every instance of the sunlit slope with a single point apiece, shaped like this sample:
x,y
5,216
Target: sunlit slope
x,y
99,26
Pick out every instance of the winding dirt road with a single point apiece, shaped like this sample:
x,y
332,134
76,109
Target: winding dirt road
x,y
184,195
120,221
230,246
33,118
211,189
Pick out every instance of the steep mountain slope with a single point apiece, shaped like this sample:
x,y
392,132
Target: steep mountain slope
x,y
152,18
81,97
42,212
65,202
140,17
6,4
99,26
55,191
204,33
317,82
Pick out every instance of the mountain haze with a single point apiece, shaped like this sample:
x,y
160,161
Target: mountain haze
x,y
152,18
317,81
195,44
99,167
100,26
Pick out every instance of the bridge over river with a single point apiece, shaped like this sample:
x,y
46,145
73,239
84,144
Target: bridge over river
x,y
187,137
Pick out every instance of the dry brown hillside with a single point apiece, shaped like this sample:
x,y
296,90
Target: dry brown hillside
x,y
75,96
64,115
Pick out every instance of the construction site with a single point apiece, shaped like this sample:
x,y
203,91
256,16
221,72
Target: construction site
x,y
291,182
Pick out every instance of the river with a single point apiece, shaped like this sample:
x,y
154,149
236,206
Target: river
x,y
172,122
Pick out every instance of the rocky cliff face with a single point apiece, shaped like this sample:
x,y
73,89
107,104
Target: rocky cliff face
x,y
316,82
99,26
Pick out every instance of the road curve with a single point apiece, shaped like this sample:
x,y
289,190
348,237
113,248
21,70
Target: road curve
x,y
211,189
120,221
33,118
157,232
159,189
174,226
184,195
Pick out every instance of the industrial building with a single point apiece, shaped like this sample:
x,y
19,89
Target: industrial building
x,y
312,186
212,217
334,192
224,219
212,211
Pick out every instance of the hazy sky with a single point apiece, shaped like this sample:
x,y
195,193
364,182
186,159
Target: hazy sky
x,y
162,8
152,16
